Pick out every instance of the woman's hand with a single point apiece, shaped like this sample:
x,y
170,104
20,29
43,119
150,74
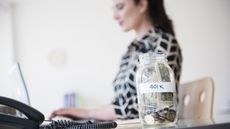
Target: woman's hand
x,y
71,113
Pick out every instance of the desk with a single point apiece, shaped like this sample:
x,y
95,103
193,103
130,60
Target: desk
x,y
223,123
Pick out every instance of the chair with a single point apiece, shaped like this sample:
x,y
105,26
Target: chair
x,y
196,100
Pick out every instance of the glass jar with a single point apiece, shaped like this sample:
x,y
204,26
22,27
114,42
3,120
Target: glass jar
x,y
156,90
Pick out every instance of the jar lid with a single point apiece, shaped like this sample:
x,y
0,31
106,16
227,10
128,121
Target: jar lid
x,y
147,58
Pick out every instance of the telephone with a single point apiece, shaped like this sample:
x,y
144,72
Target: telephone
x,y
36,118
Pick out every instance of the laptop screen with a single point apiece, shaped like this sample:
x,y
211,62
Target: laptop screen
x,y
18,85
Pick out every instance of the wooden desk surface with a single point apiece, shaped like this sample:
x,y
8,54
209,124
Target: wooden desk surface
x,y
181,124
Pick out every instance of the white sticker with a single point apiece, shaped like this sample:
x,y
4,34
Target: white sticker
x,y
157,87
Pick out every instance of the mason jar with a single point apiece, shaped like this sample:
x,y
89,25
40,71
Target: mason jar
x,y
156,90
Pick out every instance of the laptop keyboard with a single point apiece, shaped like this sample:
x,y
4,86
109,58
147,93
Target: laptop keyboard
x,y
69,124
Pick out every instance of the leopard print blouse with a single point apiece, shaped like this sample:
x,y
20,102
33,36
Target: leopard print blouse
x,y
125,100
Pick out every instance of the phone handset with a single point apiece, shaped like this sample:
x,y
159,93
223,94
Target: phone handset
x,y
29,112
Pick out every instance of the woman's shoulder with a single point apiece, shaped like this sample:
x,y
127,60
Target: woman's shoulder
x,y
158,36
162,35
160,41
152,40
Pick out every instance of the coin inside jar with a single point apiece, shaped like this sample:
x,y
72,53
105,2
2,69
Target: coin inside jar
x,y
171,115
149,119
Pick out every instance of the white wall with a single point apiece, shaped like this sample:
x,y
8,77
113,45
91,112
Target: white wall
x,y
203,29
76,46
68,46
6,44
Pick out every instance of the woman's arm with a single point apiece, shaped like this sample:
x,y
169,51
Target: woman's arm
x,y
102,113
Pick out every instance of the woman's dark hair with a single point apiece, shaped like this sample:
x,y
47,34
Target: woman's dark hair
x,y
158,15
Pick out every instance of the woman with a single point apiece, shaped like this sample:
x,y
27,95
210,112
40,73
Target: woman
x,y
154,32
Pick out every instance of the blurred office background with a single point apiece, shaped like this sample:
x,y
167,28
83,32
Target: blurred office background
x,y
75,46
